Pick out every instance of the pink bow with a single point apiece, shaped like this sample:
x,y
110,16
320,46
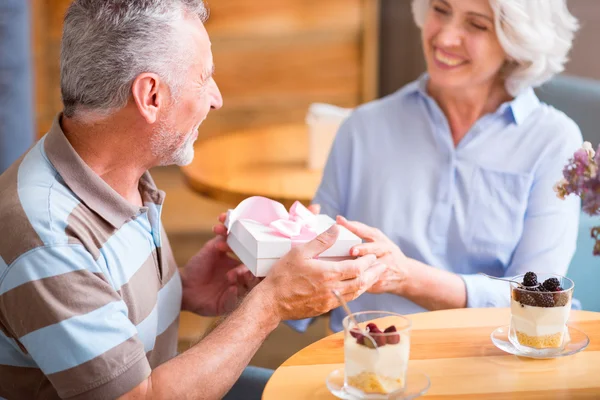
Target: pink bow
x,y
298,223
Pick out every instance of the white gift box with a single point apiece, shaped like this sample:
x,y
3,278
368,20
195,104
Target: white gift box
x,y
259,246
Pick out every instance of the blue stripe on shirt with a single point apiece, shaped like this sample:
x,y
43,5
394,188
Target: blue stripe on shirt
x,y
11,355
79,339
3,267
45,262
122,262
147,330
165,312
169,303
37,190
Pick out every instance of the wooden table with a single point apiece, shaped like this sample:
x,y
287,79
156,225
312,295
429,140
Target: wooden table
x,y
268,162
454,348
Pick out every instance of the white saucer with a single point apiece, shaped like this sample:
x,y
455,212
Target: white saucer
x,y
579,341
417,385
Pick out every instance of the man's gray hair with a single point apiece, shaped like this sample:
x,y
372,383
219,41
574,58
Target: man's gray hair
x,y
106,44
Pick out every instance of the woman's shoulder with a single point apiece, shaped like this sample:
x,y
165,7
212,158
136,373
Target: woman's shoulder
x,y
401,102
555,126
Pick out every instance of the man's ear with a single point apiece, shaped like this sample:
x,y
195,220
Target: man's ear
x,y
147,95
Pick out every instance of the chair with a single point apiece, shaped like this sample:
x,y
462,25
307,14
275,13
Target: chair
x,y
579,98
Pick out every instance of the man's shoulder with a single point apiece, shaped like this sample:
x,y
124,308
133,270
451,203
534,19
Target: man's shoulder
x,y
34,204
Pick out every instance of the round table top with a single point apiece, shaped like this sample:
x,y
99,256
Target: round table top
x,y
270,162
453,347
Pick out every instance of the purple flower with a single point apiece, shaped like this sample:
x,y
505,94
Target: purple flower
x,y
581,178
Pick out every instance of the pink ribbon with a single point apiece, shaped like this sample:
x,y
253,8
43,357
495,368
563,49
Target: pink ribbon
x,y
297,224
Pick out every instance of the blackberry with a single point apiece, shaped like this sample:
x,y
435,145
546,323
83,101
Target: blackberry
x,y
561,299
552,284
527,299
530,279
544,299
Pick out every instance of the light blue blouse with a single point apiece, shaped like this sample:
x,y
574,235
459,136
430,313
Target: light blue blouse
x,y
486,205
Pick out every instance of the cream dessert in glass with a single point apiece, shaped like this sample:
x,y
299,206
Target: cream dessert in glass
x,y
376,370
540,309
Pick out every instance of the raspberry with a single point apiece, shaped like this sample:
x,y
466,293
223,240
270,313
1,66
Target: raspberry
x,y
392,339
364,341
376,334
530,279
552,284
367,342
355,333
380,339
360,339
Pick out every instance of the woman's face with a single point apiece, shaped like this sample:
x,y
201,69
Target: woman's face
x,y
460,44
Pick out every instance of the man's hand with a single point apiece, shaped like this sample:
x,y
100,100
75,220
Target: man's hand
x,y
300,285
213,282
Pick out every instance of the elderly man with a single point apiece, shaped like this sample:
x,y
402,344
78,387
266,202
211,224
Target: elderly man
x,y
89,291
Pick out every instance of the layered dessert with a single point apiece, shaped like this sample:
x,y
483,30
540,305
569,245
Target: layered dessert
x,y
539,312
376,368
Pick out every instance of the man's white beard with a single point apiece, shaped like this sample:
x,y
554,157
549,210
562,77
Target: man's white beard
x,y
164,149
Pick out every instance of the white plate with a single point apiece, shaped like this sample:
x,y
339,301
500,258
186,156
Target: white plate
x,y
579,341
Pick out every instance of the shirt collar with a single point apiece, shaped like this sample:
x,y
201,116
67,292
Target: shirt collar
x,y
521,106
89,187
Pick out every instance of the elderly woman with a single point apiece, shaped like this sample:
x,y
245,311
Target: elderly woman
x,y
453,174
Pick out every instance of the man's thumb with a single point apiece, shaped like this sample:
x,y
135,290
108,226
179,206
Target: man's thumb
x,y
321,243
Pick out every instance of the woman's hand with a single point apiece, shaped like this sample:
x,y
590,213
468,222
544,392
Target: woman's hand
x,y
386,251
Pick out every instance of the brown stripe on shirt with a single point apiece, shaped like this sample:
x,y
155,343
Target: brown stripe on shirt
x,y
22,237
25,383
125,366
165,346
140,294
88,228
51,300
150,193
166,257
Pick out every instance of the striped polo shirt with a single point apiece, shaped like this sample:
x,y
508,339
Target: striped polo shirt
x,y
89,290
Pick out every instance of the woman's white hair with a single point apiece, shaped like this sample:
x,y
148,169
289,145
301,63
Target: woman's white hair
x,y
106,44
536,35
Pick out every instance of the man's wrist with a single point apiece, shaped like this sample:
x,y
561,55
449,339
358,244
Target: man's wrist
x,y
261,299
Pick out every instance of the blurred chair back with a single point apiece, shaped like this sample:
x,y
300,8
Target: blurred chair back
x,y
579,98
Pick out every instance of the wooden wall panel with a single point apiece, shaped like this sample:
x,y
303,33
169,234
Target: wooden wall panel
x,y
273,58
47,17
282,17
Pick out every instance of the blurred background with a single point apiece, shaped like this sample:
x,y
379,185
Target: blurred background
x,y
273,59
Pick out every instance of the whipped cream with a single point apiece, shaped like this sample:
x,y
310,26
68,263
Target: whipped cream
x,y
539,321
390,360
